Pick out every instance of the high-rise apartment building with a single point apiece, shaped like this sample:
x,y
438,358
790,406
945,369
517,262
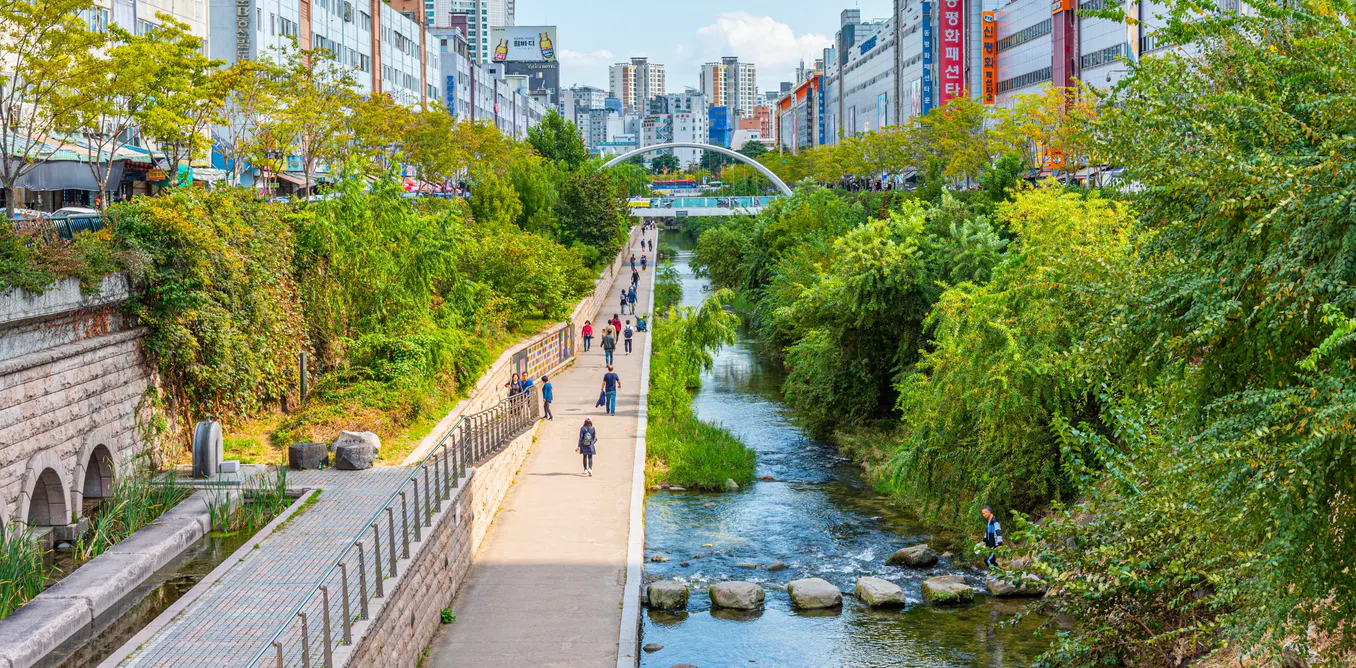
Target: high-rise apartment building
x,y
635,82
730,83
475,18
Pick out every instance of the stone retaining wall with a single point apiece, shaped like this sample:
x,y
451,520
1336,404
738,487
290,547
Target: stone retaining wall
x,y
71,378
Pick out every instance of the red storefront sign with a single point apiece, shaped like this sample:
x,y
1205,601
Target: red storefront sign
x,y
990,57
950,50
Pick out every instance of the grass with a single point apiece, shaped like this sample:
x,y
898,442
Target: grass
x,y
690,453
400,416
263,498
23,572
138,499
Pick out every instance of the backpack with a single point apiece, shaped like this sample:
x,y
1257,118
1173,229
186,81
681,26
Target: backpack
x,y
627,331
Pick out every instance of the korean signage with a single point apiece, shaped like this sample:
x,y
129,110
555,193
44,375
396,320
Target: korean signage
x,y
928,100
990,57
524,44
450,99
950,50
242,29
868,45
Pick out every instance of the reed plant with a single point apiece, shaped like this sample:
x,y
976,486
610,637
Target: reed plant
x,y
23,571
138,499
261,498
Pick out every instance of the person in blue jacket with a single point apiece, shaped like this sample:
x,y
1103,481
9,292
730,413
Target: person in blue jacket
x,y
546,396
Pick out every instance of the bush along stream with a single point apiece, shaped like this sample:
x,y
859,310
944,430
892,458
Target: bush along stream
x,y
808,514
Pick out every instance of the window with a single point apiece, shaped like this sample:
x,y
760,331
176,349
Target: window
x,y
145,27
97,18
1022,81
1099,58
365,21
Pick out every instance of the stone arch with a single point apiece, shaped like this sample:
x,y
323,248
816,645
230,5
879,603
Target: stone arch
x,y
97,467
4,515
46,499
776,180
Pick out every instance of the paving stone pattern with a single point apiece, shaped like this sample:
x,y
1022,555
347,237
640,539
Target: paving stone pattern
x,y
237,616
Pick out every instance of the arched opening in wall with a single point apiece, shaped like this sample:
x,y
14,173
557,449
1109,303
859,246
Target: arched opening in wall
x,y
98,483
47,507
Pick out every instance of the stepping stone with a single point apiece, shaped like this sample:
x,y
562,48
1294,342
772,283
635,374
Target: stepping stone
x,y
814,593
878,593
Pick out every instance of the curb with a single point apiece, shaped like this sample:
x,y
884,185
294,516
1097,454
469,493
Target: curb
x,y
628,643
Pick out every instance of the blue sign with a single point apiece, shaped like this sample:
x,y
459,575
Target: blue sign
x,y
820,113
451,101
869,44
927,57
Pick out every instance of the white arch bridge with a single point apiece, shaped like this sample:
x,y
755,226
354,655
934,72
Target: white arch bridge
x,y
680,207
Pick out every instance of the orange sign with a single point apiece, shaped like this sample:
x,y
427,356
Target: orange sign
x,y
1054,159
989,59
156,175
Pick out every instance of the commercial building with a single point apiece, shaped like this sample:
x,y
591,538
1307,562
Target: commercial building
x,y
677,117
636,82
476,18
386,51
722,126
802,115
860,81
471,91
730,83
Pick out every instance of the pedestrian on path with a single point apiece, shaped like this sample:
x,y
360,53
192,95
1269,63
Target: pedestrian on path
x,y
588,437
609,344
633,262
514,387
626,336
546,396
587,333
635,277
631,299
623,300
993,535
611,383
616,323
643,261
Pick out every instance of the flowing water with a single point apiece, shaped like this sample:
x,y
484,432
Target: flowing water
x,y
822,519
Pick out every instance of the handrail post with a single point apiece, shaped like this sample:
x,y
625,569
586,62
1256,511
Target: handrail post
x,y
362,583
305,642
325,607
417,522
376,559
277,648
404,527
390,533
447,474
428,502
348,614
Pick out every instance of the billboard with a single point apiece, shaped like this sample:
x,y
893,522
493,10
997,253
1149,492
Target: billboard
x,y
523,44
950,50
990,57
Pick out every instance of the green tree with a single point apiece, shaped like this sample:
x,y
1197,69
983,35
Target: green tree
x,y
428,145
753,149
45,46
188,92
590,211
537,183
713,162
665,163
558,140
494,202
318,99
241,130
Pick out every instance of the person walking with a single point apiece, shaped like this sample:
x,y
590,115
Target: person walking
x,y
633,262
611,383
631,299
623,300
587,333
643,261
993,535
588,437
609,344
546,396
615,322
635,277
626,336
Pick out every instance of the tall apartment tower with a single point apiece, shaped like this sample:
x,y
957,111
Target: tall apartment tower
x,y
730,83
475,17
635,82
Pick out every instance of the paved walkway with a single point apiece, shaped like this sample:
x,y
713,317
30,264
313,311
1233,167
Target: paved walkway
x,y
546,586
230,621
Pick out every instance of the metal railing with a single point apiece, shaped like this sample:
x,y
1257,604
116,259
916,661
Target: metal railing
x,y
324,618
63,228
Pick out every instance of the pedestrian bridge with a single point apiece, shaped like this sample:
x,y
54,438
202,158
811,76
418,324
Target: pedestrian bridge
x,y
683,207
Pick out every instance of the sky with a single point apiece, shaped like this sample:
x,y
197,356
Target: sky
x,y
682,34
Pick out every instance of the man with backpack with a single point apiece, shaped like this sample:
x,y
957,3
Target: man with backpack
x,y
626,336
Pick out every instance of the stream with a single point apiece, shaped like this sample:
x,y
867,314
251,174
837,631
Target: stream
x,y
820,517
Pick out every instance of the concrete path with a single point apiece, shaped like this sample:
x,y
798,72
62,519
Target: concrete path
x,y
546,586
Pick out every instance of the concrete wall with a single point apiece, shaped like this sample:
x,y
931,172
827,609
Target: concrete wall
x,y
71,377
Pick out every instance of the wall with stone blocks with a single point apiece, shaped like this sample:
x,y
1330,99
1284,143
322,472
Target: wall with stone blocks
x,y
409,618
71,378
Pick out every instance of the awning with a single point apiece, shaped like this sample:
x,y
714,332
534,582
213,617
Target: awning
x,y
299,178
208,174
68,175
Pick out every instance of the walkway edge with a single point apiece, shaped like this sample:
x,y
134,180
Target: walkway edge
x,y
628,643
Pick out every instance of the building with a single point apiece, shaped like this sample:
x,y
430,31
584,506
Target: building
x,y
722,126
677,117
860,81
636,82
476,18
529,51
730,83
386,51
802,116
472,92
140,15
579,97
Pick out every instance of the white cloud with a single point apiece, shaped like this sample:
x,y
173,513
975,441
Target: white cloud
x,y
763,40
586,59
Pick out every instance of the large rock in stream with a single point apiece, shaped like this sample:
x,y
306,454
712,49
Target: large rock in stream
x,y
914,556
878,593
947,590
737,595
814,593
667,595
1030,585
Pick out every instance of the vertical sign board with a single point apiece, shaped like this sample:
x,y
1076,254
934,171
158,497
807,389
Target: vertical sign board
x,y
990,58
451,95
928,100
951,51
1063,42
819,107
242,29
